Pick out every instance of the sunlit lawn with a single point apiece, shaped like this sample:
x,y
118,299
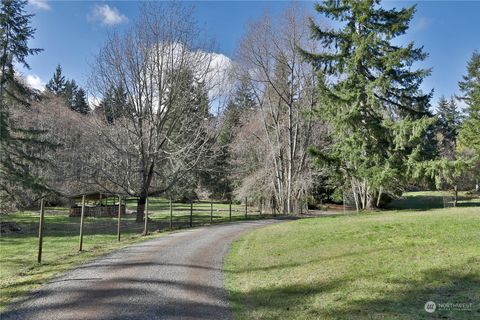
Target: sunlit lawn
x,y
159,210
382,265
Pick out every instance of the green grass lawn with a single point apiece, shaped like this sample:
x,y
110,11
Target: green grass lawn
x,y
160,212
383,265
20,273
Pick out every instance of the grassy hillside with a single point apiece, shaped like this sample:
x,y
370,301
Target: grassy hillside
x,y
383,265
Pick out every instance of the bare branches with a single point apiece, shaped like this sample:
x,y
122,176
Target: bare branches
x,y
284,89
165,68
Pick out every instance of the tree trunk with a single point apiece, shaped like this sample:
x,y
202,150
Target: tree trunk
x,y
355,197
141,207
379,198
455,195
371,202
147,179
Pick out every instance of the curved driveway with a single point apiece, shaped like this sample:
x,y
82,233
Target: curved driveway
x,y
178,276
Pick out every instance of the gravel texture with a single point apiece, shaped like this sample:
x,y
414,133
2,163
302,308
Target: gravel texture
x,y
178,276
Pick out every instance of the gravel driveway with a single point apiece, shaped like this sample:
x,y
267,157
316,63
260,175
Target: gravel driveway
x,y
178,276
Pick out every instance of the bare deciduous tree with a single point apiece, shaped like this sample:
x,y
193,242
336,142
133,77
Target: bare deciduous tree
x,y
284,87
165,70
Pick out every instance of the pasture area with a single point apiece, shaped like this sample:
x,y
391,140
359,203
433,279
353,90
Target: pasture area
x,y
20,272
371,265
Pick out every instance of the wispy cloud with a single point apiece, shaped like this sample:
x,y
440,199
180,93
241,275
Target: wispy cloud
x,y
35,82
39,4
107,15
422,23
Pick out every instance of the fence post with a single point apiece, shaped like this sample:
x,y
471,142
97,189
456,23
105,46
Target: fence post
x,y
191,213
82,217
211,211
455,195
246,208
40,232
171,214
230,210
118,219
261,206
274,210
145,228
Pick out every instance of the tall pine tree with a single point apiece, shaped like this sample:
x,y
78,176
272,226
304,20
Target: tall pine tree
x,y
69,93
449,120
470,88
56,85
113,104
470,131
242,101
80,103
20,148
75,96
238,106
370,95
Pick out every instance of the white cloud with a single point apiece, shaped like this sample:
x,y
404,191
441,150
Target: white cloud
x,y
219,75
39,4
422,23
222,82
107,15
35,82
93,101
214,69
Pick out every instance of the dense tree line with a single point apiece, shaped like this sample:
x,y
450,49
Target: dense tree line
x,y
311,113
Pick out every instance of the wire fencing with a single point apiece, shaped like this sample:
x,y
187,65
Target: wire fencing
x,y
162,215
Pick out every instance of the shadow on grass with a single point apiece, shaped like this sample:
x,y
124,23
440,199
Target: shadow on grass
x,y
407,301
424,202
317,260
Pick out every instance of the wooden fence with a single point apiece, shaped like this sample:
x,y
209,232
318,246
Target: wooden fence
x,y
180,215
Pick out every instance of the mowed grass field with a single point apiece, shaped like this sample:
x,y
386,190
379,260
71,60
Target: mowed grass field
x,y
20,272
379,265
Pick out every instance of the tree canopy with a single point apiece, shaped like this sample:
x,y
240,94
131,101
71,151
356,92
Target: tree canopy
x,y
370,94
470,88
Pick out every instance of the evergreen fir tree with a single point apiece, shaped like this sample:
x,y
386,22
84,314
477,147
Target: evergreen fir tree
x,y
80,103
70,92
201,102
113,104
241,102
20,148
194,94
449,120
470,88
370,96
15,31
56,85
75,96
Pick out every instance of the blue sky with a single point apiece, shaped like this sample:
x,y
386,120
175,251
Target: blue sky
x,y
72,32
